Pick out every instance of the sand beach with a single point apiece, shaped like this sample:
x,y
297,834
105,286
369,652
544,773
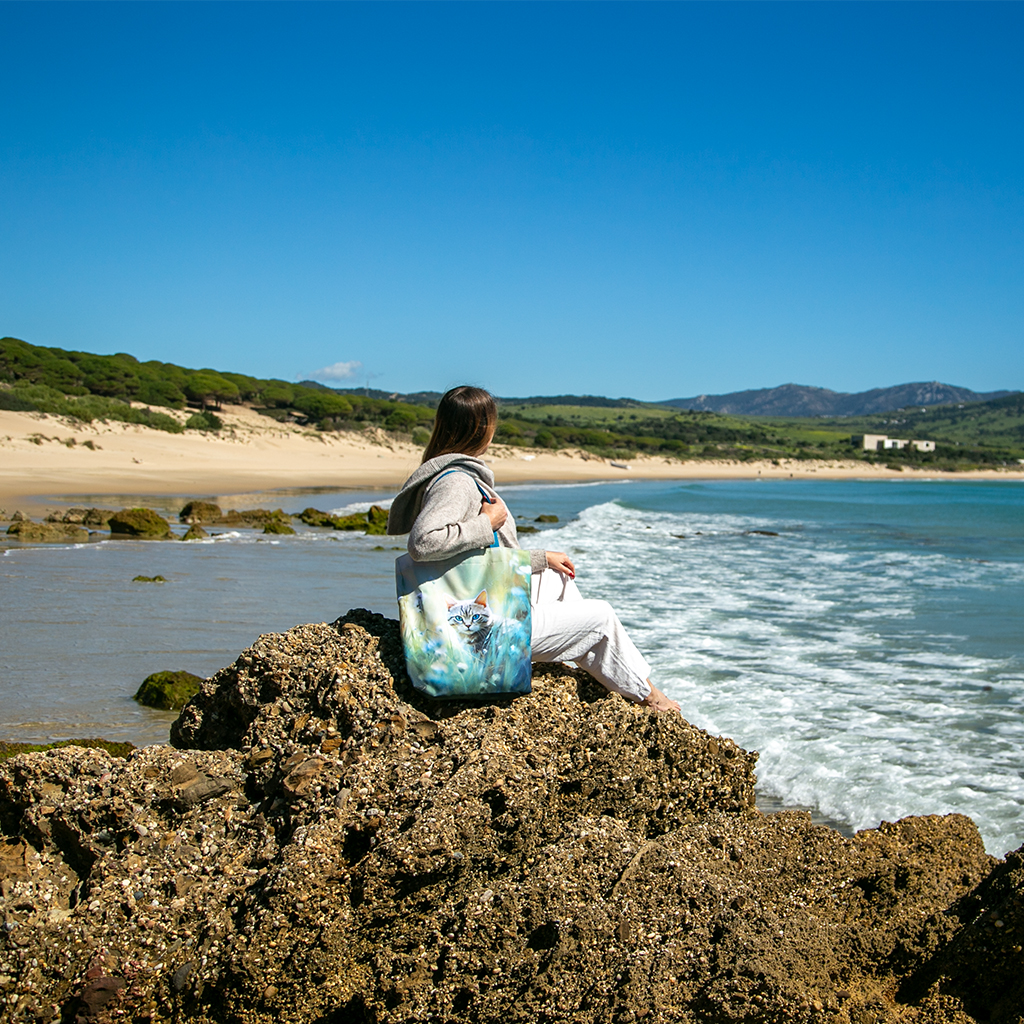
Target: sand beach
x,y
46,458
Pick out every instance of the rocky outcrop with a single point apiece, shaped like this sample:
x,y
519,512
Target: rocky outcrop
x,y
95,517
198,513
314,517
112,747
276,526
47,533
195,533
377,521
253,517
170,691
59,527
373,522
326,846
143,523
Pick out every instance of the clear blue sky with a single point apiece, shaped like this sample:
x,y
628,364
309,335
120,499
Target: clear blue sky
x,y
653,200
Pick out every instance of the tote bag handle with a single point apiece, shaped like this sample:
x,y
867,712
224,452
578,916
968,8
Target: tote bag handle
x,y
479,487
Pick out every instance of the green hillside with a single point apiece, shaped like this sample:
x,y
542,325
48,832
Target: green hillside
x,y
995,424
980,434
89,387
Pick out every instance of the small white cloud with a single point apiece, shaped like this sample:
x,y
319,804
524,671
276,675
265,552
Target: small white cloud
x,y
339,371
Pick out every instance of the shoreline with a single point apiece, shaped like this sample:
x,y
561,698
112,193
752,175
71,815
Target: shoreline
x,y
46,459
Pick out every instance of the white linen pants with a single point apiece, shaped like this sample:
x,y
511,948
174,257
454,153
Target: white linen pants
x,y
570,627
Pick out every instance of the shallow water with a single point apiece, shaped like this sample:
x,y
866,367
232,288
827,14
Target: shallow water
x,y
870,651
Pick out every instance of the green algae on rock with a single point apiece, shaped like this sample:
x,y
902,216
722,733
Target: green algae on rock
x,y
314,517
149,579
327,845
195,532
355,521
373,522
276,526
170,691
377,521
143,523
253,517
48,533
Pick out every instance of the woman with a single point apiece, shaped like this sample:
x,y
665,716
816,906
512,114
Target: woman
x,y
444,515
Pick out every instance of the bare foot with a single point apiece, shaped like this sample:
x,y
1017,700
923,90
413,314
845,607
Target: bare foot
x,y
657,700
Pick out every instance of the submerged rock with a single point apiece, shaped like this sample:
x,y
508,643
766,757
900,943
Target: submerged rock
x,y
168,690
139,522
149,579
253,517
47,533
276,526
326,845
195,533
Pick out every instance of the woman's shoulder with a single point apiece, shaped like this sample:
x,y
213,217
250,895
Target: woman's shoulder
x,y
452,481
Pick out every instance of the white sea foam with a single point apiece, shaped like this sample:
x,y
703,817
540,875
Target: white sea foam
x,y
359,506
813,648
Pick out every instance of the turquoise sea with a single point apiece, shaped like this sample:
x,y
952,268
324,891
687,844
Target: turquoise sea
x,y
865,637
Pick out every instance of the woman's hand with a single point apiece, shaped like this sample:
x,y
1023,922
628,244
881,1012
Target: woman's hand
x,y
495,511
561,563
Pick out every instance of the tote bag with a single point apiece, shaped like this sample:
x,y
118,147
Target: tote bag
x,y
466,622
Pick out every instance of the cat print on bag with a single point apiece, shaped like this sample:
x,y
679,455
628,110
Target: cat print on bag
x,y
458,646
471,620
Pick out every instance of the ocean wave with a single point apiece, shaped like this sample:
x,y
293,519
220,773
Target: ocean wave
x,y
834,653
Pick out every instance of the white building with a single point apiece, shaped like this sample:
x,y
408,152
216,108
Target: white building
x,y
872,442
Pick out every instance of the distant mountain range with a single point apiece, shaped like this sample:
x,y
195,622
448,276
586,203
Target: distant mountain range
x,y
787,400
431,398
427,398
800,400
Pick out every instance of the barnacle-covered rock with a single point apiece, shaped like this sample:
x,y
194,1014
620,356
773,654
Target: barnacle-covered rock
x,y
323,844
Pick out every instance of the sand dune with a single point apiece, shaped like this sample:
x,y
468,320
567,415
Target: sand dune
x,y
45,458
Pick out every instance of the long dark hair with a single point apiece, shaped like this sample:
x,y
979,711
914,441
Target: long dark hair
x,y
463,423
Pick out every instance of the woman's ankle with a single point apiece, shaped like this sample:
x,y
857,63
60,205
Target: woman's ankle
x,y
657,700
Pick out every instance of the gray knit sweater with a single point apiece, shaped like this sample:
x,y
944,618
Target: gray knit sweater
x,y
443,517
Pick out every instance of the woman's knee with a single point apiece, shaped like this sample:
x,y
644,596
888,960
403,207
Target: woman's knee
x,y
603,613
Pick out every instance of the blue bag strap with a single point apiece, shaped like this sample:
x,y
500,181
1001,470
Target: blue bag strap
x,y
479,487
